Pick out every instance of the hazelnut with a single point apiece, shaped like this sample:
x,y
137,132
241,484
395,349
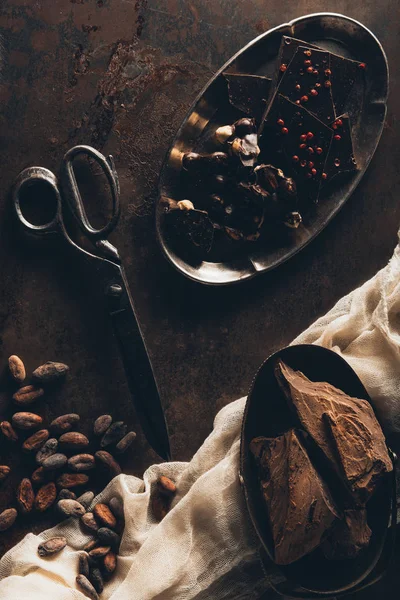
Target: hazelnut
x,y
185,205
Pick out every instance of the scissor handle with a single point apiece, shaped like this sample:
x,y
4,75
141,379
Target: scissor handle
x,y
29,178
72,194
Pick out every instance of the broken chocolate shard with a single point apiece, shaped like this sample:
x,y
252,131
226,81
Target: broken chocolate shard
x,y
344,428
340,157
307,85
344,73
299,505
248,93
289,48
193,227
349,538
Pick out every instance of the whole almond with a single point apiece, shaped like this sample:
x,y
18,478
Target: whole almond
x,y
81,462
7,518
54,462
96,579
90,544
49,372
125,442
109,537
26,420
70,508
159,505
25,496
86,499
73,440
89,521
71,480
39,475
110,562
99,552
117,507
85,585
84,565
35,441
27,395
45,497
101,424
64,423
48,449
66,495
114,434
4,472
104,515
52,546
108,462
8,431
17,368
166,486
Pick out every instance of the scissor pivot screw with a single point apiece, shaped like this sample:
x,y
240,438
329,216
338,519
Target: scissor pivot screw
x,y
114,290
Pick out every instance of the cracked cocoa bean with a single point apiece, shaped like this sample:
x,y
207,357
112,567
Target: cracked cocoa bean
x,y
27,395
45,497
96,579
48,449
89,521
17,368
52,546
64,423
26,420
84,565
90,545
104,515
35,441
50,372
110,562
81,462
38,476
85,585
126,442
71,480
108,462
99,552
54,462
8,431
101,424
73,441
114,434
86,499
70,508
4,472
109,537
25,496
7,518
66,495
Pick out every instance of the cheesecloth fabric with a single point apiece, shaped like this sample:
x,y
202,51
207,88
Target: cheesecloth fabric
x,y
205,548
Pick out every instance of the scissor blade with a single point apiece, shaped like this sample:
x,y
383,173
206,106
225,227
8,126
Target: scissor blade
x,y
139,372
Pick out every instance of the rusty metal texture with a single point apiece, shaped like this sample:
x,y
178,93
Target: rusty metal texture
x,y
120,75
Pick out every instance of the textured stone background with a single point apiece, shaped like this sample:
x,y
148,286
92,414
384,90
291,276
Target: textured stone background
x,y
121,74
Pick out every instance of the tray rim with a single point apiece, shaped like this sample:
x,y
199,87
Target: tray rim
x,y
251,274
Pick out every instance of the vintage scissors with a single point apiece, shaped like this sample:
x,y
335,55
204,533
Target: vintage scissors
x,y
106,261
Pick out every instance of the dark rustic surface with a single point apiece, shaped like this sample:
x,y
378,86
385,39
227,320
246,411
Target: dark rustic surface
x,y
120,75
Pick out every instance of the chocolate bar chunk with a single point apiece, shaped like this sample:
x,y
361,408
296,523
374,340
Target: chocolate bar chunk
x,y
248,93
344,428
349,538
341,155
299,505
304,142
344,73
287,51
193,227
306,82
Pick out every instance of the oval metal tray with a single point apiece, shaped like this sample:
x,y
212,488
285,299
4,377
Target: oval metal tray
x,y
332,32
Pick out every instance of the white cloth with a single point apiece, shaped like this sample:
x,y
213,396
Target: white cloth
x,y
204,548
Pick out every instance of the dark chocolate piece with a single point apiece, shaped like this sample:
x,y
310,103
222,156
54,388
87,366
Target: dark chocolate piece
x,y
248,93
344,73
341,155
194,227
309,84
303,148
344,428
287,51
299,505
349,538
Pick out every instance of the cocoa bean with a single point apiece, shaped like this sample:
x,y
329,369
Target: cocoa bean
x,y
66,495
71,480
81,462
110,562
35,441
117,507
70,508
39,475
104,515
108,462
85,585
159,505
8,431
86,499
7,518
26,420
27,395
99,552
52,546
96,579
45,497
114,434
101,424
17,368
49,372
125,442
166,486
84,565
73,440
89,521
109,537
54,462
25,496
90,545
4,472
64,423
48,449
